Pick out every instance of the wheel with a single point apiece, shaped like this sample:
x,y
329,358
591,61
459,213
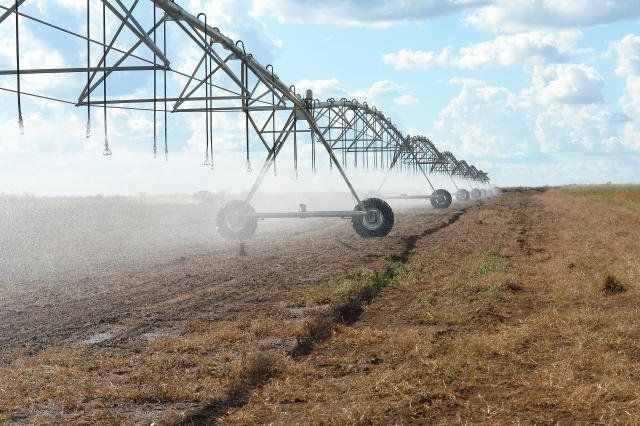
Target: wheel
x,y
462,195
475,193
377,223
441,199
233,221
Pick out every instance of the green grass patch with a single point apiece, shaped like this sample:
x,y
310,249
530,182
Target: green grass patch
x,y
362,283
482,272
457,319
621,195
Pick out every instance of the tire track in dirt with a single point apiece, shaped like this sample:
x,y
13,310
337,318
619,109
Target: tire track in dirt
x,y
388,307
227,296
345,313
412,241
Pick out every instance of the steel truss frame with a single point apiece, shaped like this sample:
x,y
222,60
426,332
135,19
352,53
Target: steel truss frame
x,y
234,81
451,167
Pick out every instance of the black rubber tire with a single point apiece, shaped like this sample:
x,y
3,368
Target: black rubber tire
x,y
441,199
475,193
231,226
463,195
384,219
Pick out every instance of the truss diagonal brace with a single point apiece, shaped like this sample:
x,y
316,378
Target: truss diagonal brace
x,y
10,10
136,29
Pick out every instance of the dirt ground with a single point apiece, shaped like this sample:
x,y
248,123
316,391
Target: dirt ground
x,y
158,267
522,308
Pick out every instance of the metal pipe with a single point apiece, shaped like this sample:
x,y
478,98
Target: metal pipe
x,y
407,197
307,215
79,70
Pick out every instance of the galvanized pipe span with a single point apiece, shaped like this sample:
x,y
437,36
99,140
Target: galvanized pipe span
x,y
349,132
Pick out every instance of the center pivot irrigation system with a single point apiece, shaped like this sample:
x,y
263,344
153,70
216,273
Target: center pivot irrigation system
x,y
226,79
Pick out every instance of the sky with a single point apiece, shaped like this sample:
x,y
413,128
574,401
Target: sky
x,y
534,92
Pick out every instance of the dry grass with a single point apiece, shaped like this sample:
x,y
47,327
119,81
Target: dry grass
x,y
525,310
200,375
520,330
78,382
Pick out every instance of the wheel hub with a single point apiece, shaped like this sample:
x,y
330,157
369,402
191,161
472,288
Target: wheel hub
x,y
440,200
373,220
236,221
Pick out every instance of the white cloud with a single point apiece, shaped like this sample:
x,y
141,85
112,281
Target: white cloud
x,y
380,13
560,112
465,81
377,90
524,48
628,60
406,100
483,121
382,94
385,94
517,15
408,59
322,89
531,47
565,83
560,170
628,51
565,127
34,53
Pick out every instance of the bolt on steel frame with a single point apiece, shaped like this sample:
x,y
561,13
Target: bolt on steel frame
x,y
234,81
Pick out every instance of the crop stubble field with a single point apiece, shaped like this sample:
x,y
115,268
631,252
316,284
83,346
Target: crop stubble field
x,y
521,308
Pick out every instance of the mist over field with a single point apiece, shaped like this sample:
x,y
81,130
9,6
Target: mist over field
x,y
71,237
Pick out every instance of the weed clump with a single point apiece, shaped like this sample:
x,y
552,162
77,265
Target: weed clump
x,y
254,371
361,284
481,272
613,286
344,301
475,293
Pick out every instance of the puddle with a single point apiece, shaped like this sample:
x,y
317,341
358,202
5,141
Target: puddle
x,y
102,336
98,338
150,336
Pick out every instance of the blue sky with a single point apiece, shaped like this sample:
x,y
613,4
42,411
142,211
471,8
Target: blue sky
x,y
532,91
